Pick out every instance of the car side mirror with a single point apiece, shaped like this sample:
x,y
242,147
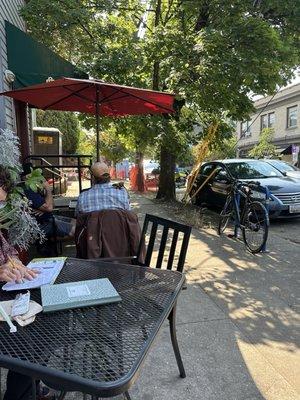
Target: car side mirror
x,y
284,173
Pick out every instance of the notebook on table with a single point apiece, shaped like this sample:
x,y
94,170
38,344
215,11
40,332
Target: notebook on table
x,y
78,294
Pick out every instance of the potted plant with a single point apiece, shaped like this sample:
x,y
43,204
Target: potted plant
x,y
15,214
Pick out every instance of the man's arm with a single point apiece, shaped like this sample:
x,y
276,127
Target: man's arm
x,y
48,204
126,200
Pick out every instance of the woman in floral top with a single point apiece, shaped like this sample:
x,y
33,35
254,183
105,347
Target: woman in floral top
x,y
7,252
18,386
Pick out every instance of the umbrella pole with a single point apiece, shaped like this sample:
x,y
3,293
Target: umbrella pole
x,y
97,124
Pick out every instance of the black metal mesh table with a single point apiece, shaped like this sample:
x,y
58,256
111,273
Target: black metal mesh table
x,y
95,350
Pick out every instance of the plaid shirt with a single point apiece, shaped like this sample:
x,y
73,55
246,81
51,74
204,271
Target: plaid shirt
x,y
102,197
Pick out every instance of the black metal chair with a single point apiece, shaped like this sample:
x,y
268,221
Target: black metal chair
x,y
169,227
170,230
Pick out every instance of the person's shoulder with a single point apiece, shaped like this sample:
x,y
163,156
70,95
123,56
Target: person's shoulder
x,y
32,194
118,186
84,193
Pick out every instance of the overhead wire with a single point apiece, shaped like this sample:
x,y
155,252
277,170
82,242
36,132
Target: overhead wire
x,y
252,122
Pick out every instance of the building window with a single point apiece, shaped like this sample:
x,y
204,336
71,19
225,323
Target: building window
x,y
245,129
271,120
267,121
292,116
263,122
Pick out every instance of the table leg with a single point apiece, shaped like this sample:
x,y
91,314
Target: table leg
x,y
1,384
127,396
172,321
33,390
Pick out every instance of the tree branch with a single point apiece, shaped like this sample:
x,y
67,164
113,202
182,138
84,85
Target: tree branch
x,y
91,36
202,20
142,22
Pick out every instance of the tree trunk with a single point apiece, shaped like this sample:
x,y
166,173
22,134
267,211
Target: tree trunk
x,y
166,188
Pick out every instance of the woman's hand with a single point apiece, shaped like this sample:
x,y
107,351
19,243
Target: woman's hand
x,y
25,273
15,271
8,275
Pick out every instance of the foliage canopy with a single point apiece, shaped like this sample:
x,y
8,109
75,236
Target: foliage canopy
x,y
212,54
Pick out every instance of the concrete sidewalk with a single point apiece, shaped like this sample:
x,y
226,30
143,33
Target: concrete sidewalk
x,y
238,325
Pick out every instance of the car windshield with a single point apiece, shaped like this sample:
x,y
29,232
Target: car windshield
x,y
283,166
252,170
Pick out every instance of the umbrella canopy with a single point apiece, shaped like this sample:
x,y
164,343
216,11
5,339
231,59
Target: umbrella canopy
x,y
94,97
84,95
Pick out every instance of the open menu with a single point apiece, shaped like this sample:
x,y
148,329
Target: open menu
x,y
49,269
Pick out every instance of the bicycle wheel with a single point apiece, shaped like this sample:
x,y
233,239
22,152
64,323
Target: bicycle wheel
x,y
255,226
225,215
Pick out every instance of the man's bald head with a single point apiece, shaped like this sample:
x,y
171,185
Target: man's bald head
x,y
100,171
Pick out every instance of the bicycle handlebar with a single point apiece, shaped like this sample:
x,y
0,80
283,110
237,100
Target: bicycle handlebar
x,y
253,184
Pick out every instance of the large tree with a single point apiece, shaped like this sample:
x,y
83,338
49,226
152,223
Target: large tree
x,y
212,54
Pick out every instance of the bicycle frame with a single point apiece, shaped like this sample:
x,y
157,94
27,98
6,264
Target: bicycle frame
x,y
245,216
239,214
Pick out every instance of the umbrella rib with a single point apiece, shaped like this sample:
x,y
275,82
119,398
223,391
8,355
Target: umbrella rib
x,y
65,97
151,102
107,97
130,94
79,95
117,98
102,101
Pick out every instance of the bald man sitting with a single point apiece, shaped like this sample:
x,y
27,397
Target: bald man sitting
x,y
103,195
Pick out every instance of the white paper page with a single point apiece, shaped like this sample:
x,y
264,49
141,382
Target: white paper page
x,y
49,270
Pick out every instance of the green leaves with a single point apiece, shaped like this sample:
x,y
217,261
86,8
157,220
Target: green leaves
x,y
265,147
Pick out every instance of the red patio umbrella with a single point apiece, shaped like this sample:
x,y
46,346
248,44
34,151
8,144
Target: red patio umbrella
x,y
94,97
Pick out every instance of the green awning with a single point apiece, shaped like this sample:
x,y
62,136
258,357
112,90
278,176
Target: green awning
x,y
32,62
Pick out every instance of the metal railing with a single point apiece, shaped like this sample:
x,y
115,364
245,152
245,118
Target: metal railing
x,y
56,169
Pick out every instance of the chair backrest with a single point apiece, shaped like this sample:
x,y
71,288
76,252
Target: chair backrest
x,y
107,233
170,230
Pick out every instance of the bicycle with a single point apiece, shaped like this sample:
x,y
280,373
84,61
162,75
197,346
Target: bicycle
x,y
251,217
